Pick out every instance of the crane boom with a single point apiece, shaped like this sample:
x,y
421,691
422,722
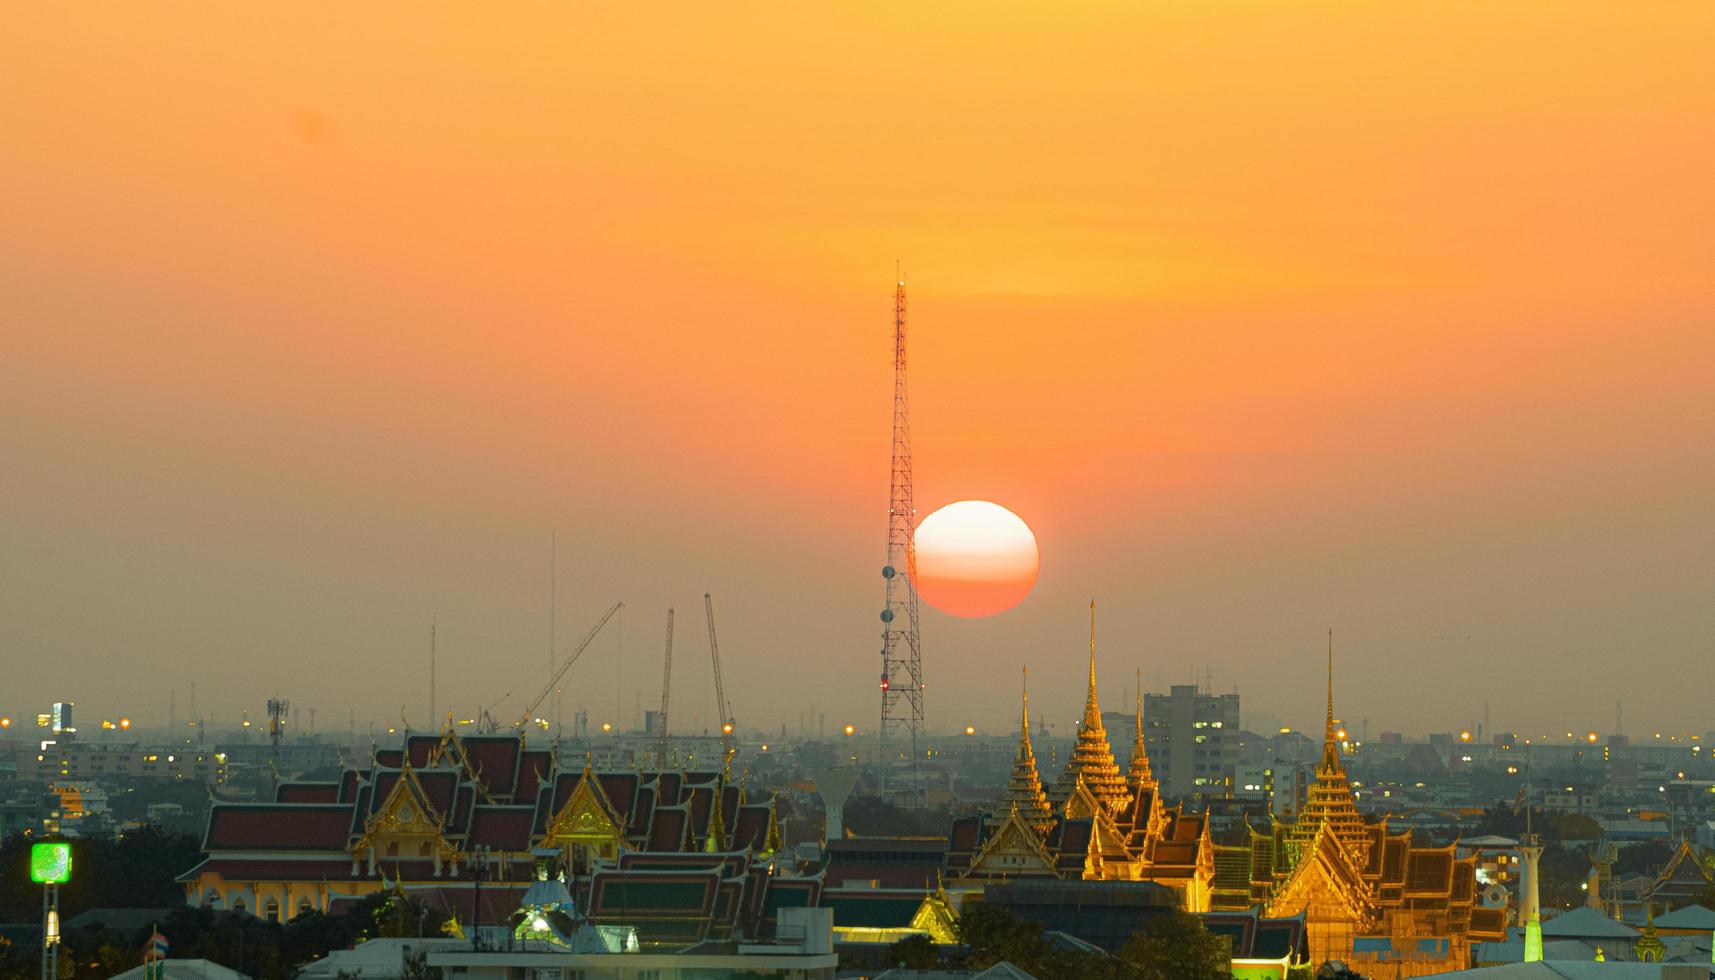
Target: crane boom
x,y
577,651
726,720
666,686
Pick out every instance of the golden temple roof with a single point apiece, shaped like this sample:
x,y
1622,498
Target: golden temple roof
x,y
1330,799
1024,788
1092,756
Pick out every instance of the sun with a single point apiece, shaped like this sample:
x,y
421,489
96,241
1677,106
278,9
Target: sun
x,y
975,559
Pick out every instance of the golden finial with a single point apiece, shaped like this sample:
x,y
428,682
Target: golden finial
x,y
1330,731
1140,704
1092,714
1024,714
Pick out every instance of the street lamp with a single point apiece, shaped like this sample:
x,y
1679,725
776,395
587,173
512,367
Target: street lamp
x,y
50,867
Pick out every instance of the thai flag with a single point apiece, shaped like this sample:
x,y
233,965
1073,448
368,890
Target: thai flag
x,y
157,949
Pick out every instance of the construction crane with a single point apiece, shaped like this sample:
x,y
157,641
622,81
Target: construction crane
x,y
666,689
488,723
726,719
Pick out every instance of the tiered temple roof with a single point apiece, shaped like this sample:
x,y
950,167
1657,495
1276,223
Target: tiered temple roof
x,y
1092,762
1138,774
1024,787
1330,801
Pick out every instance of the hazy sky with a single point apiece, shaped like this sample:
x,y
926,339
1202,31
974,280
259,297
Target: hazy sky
x,y
1399,319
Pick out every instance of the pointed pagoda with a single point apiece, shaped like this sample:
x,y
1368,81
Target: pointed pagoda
x,y
1330,799
1024,788
1138,775
1092,756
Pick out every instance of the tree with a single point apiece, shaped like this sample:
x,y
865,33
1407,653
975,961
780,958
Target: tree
x,y
915,953
1175,946
993,934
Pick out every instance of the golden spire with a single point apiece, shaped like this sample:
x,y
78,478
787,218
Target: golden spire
x,y
1024,788
1330,799
1024,712
1092,712
1092,757
1139,774
1330,744
1140,705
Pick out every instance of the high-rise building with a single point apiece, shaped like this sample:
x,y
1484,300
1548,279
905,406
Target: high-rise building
x,y
1192,739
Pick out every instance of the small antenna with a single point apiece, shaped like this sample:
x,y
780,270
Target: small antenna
x,y
431,669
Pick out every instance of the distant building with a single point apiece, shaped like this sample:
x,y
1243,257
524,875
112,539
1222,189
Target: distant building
x,y
76,760
1192,738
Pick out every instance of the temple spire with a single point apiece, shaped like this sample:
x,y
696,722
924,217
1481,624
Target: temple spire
x,y
1330,799
1092,711
1330,743
1024,789
1092,756
1140,706
1024,712
1139,774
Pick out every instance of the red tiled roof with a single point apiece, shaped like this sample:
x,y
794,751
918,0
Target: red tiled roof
x,y
729,809
418,748
495,758
621,791
965,834
564,783
307,793
441,786
531,767
1176,853
642,812
1188,826
667,789
458,821
750,827
1464,880
278,826
884,875
504,828
381,787
1430,872
667,830
700,799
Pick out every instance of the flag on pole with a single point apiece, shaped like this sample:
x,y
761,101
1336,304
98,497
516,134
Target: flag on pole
x,y
155,955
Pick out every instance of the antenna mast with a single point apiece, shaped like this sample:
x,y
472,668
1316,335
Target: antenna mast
x,y
901,647
666,690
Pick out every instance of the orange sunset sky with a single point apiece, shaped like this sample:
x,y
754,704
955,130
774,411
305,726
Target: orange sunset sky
x,y
1397,318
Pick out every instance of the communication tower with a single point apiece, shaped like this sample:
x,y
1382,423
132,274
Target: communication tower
x,y
901,647
277,709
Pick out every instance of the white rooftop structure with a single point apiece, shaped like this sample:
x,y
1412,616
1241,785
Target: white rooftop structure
x,y
186,970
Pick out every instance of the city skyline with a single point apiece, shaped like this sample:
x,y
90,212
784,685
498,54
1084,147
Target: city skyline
x,y
315,334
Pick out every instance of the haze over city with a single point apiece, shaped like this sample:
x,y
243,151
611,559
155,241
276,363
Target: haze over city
x,y
318,323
